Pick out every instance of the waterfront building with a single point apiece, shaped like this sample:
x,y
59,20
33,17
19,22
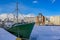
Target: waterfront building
x,y
40,19
55,20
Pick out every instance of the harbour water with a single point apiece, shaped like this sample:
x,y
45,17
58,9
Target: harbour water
x,y
38,33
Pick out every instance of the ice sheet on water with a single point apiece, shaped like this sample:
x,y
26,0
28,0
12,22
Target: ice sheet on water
x,y
4,35
45,33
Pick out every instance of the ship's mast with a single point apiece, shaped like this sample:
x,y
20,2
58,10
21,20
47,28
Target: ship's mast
x,y
17,10
17,16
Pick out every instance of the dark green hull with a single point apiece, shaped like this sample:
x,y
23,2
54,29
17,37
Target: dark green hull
x,y
23,30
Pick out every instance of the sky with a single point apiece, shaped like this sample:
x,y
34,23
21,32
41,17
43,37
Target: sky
x,y
46,7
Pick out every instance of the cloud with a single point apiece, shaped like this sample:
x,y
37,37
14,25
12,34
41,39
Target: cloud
x,y
35,1
3,16
53,1
30,15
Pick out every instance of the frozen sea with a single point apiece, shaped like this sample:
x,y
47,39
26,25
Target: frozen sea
x,y
38,33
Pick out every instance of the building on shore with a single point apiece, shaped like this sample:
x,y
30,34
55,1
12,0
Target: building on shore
x,y
40,19
55,20
29,19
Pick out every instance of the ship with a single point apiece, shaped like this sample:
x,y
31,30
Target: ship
x,y
20,30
